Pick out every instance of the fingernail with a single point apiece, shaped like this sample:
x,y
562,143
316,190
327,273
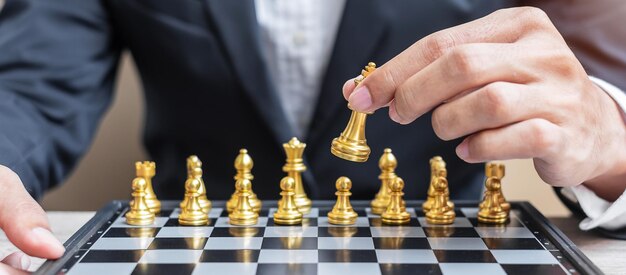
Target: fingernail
x,y
24,262
463,150
393,113
361,99
45,236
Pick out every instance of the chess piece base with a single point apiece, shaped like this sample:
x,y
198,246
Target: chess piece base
x,y
395,219
141,218
493,218
441,218
352,151
288,218
303,203
196,219
342,218
250,219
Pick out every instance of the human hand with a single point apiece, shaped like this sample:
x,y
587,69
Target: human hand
x,y
510,85
25,224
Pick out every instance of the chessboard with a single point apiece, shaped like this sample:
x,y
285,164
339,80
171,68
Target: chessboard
x,y
526,244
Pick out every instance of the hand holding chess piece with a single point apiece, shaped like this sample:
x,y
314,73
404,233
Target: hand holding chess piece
x,y
342,213
441,213
287,212
351,144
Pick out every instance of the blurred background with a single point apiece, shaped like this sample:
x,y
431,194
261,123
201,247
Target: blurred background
x,y
106,171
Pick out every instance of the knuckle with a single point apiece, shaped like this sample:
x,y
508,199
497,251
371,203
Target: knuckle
x,y
461,61
438,44
544,137
533,17
495,103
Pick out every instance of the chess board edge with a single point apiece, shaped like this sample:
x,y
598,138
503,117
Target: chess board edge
x,y
104,217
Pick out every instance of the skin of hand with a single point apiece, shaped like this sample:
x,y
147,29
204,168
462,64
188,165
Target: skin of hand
x,y
510,85
25,224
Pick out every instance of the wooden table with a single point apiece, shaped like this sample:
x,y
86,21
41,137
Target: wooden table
x,y
608,254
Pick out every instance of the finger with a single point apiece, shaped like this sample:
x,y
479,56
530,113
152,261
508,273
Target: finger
x,y
534,138
5,269
495,105
348,87
17,260
467,67
503,26
23,220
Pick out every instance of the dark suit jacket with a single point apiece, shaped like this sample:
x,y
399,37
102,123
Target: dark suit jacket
x,y
208,92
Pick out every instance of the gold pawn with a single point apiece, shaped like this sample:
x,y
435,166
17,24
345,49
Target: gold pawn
x,y
243,165
387,165
294,167
147,170
192,213
243,213
287,212
342,213
395,213
492,208
441,212
139,212
351,144
193,162
436,164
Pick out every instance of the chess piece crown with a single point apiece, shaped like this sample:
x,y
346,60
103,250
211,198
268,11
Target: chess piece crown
x,y
351,144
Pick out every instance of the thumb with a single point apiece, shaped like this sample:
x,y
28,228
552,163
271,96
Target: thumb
x,y
24,221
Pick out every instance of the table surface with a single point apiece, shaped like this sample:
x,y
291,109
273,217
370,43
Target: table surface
x,y
607,254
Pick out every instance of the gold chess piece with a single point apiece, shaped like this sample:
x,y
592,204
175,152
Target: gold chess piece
x,y
351,144
287,212
387,165
147,170
192,213
294,167
395,213
243,213
243,165
436,163
491,209
441,212
193,162
139,212
496,171
342,212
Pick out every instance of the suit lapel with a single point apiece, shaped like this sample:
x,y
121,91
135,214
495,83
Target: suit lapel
x,y
238,29
360,31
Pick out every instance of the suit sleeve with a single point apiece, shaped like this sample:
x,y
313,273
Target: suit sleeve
x,y
57,69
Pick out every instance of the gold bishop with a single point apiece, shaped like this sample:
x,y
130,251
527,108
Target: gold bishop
x,y
494,208
351,144
243,165
441,212
436,164
193,162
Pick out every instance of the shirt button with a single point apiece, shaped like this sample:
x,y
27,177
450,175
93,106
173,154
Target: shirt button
x,y
299,39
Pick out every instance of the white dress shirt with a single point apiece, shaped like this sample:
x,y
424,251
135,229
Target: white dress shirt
x,y
297,37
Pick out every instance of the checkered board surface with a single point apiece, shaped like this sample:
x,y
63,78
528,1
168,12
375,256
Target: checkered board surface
x,y
317,247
